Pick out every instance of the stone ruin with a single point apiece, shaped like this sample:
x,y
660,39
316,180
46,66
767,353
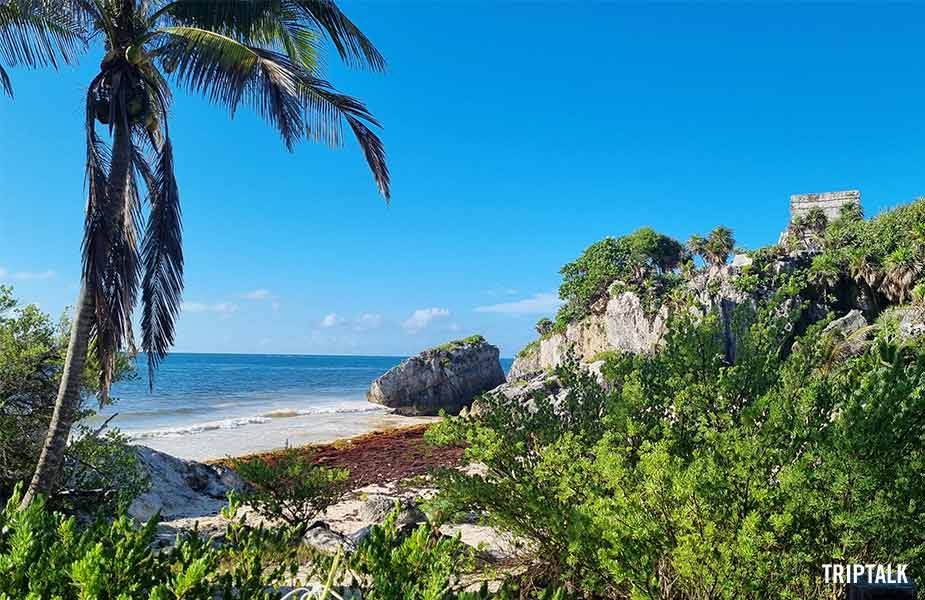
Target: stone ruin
x,y
830,203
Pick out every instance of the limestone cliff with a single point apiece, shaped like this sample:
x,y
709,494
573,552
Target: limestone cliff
x,y
624,324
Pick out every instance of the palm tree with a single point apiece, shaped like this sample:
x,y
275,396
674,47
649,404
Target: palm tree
x,y
715,248
865,270
36,33
260,53
697,246
902,267
719,244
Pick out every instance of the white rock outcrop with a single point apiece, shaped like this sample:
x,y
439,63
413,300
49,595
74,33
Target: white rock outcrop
x,y
626,325
182,488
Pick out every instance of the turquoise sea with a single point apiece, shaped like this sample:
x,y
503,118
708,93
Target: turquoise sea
x,y
212,405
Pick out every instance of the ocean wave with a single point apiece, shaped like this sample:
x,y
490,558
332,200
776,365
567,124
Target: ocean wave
x,y
285,413
235,423
198,428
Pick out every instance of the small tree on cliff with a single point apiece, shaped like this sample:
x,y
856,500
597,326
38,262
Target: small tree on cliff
x,y
715,248
639,260
263,54
544,326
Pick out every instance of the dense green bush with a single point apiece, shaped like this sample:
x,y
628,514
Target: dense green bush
x,y
32,350
885,254
693,477
452,345
44,554
423,564
289,486
643,261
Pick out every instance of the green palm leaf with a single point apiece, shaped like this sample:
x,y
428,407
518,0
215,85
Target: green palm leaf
x,y
38,33
162,255
352,45
273,24
292,100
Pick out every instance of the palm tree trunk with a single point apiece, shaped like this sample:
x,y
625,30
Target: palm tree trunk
x,y
68,399
67,402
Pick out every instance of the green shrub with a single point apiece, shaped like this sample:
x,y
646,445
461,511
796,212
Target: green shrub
x,y
471,340
104,461
421,564
288,486
46,555
529,349
697,477
32,350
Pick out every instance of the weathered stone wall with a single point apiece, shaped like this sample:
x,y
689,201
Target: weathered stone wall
x,y
829,202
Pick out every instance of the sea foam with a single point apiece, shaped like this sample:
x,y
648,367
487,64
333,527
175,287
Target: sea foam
x,y
238,422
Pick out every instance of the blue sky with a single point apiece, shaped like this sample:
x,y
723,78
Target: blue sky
x,y
518,134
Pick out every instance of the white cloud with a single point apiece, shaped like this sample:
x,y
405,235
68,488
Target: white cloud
x,y
224,309
368,321
331,320
28,275
422,317
34,274
538,304
275,305
260,294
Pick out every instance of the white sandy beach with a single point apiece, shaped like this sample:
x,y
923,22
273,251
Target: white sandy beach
x,y
276,433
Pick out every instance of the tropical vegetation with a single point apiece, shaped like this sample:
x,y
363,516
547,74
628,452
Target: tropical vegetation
x,y
644,261
688,476
32,355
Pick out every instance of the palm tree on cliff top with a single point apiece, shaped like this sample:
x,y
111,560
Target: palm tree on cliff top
x,y
263,54
36,33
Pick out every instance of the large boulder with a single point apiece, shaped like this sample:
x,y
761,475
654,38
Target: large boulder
x,y
182,488
444,378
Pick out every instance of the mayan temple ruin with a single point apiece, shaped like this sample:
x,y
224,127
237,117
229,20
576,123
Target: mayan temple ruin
x,y
829,202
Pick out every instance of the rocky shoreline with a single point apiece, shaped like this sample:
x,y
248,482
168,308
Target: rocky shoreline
x,y
386,467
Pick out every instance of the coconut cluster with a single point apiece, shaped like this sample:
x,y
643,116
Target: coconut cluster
x,y
121,66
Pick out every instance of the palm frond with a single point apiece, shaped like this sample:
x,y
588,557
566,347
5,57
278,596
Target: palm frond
x,y
98,240
229,72
351,43
39,33
290,98
325,108
270,24
110,248
233,17
162,255
5,82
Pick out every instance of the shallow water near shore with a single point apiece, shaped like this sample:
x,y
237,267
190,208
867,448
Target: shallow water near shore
x,y
207,406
